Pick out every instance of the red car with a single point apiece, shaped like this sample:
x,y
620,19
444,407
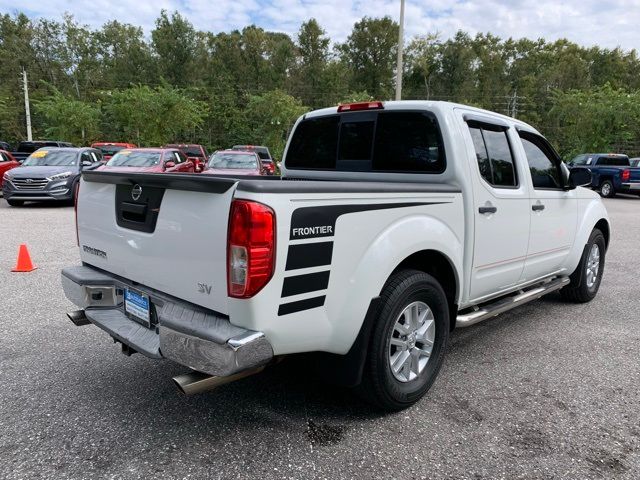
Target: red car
x,y
7,162
234,162
109,149
264,154
196,153
149,160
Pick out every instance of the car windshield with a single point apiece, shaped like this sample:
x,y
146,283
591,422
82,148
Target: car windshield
x,y
110,150
130,158
233,160
51,158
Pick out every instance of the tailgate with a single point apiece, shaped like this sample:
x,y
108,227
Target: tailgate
x,y
634,175
164,231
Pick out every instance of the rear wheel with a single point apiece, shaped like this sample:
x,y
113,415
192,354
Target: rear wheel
x,y
15,203
585,280
606,189
408,341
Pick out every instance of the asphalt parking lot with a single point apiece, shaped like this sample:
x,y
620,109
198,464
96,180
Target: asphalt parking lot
x,y
551,390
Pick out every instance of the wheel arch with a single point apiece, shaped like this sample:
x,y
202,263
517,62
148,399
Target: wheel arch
x,y
439,266
604,227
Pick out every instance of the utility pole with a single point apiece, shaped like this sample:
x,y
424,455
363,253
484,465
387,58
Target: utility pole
x,y
27,111
400,48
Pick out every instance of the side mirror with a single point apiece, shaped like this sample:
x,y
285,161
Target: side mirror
x,y
87,163
579,177
169,164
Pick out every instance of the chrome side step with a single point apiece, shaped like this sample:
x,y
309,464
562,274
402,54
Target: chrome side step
x,y
489,310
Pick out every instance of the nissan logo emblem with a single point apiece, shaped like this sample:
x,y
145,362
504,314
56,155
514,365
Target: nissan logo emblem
x,y
136,191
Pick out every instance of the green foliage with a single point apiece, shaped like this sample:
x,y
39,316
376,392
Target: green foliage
x,y
154,116
370,51
268,118
598,120
66,117
181,84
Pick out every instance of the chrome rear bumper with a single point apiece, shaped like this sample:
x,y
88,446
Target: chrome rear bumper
x,y
185,333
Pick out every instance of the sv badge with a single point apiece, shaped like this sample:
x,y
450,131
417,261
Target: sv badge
x,y
204,288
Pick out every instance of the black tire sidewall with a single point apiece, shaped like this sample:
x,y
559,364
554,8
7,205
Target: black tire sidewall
x,y
596,237
611,191
417,286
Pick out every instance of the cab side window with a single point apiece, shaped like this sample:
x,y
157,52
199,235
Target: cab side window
x,y
493,154
543,164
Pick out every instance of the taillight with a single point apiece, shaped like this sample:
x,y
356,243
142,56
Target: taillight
x,y
626,175
75,209
251,247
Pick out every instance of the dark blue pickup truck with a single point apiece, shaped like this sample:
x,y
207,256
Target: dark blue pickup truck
x,y
611,173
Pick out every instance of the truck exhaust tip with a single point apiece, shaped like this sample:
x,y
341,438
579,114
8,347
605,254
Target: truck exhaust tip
x,y
198,382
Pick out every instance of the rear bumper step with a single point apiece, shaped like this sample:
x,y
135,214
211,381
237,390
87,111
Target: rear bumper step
x,y
489,310
182,332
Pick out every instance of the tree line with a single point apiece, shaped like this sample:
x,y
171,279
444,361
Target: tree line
x,y
248,86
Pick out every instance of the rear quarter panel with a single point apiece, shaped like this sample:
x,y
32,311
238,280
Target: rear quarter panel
x,y
366,246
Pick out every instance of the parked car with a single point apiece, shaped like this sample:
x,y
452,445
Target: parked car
x,y
263,153
109,149
7,162
612,173
5,146
26,148
233,162
149,160
49,174
370,255
635,162
196,153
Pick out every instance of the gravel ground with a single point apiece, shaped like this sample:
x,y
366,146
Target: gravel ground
x,y
550,390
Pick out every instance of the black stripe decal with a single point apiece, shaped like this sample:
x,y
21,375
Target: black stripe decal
x,y
301,305
315,222
309,255
310,282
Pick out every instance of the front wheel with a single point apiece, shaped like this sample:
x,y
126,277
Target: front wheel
x,y
15,203
607,190
408,341
586,278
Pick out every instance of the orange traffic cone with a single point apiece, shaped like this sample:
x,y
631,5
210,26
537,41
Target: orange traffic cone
x,y
24,263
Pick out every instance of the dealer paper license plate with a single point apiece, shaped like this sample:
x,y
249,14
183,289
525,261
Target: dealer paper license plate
x,y
137,305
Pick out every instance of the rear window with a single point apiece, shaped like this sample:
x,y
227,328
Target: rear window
x,y
110,150
263,152
368,141
614,161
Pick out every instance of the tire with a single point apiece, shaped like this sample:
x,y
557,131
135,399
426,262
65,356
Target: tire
x,y
607,190
584,283
15,203
406,292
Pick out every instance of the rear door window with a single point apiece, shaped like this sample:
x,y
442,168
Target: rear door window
x,y
493,154
398,141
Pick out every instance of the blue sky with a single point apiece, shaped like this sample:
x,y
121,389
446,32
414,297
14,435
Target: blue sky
x,y
588,22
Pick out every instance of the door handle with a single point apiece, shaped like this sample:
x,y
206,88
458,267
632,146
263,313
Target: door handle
x,y
537,208
485,210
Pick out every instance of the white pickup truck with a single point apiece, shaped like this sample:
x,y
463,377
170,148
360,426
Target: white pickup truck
x,y
393,223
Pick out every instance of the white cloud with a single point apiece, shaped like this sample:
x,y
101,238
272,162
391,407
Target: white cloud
x,y
588,22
